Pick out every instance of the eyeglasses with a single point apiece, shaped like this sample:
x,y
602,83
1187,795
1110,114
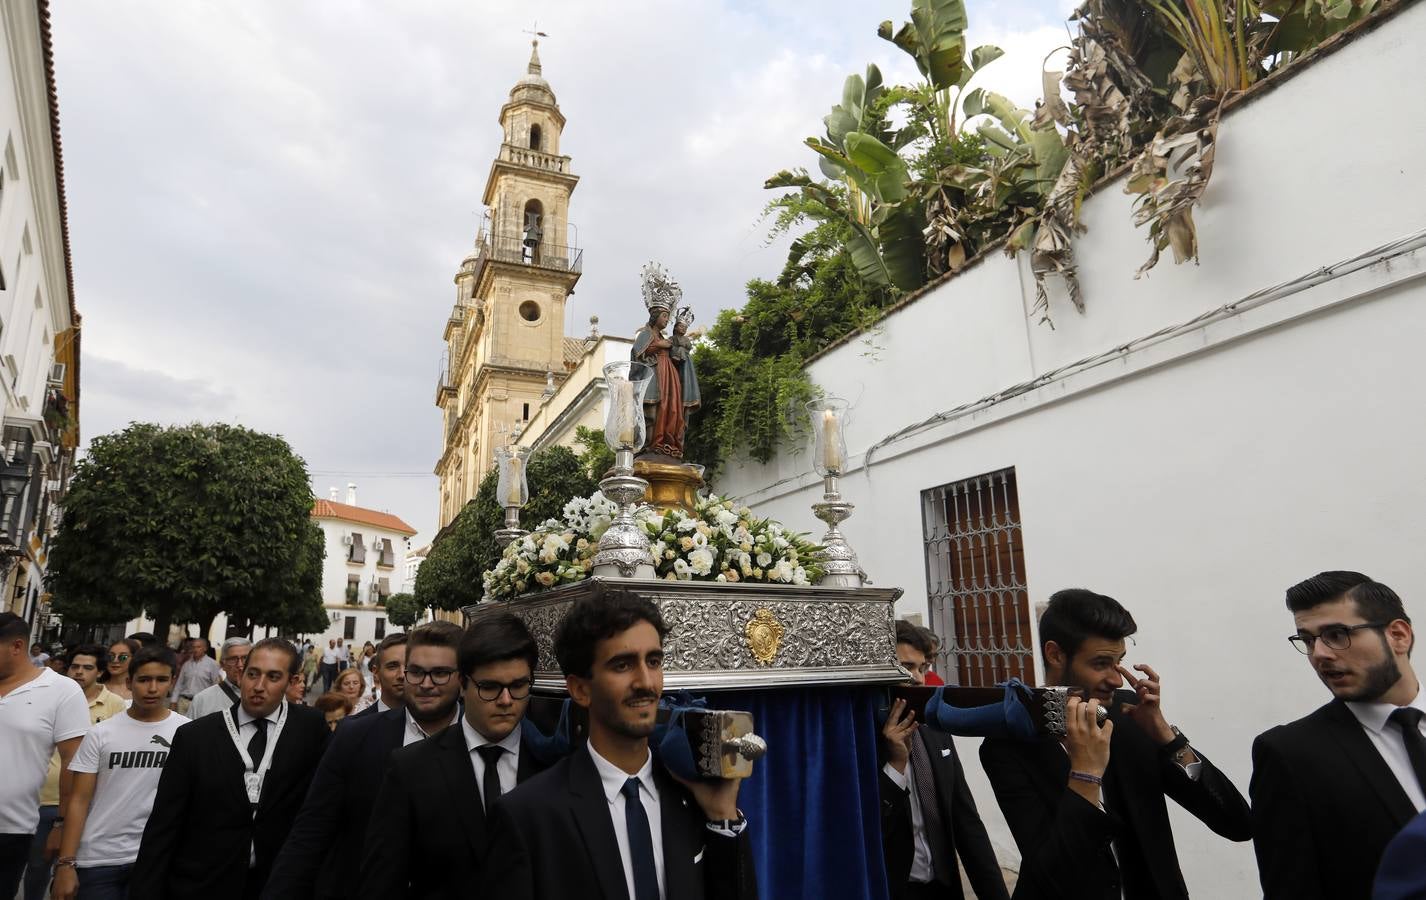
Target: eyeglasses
x,y
490,690
1338,637
416,675
121,657
239,661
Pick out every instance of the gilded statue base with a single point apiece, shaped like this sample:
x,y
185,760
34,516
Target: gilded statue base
x,y
673,484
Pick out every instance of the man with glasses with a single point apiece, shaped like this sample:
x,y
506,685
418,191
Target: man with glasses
x,y
428,833
322,856
1331,789
233,657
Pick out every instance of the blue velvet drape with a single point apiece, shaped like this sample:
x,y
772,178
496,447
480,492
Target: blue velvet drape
x,y
813,801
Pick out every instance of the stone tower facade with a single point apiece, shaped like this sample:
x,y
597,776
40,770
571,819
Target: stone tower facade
x,y
505,340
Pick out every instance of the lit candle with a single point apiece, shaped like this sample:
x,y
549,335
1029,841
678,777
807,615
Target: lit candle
x,y
514,498
625,412
831,449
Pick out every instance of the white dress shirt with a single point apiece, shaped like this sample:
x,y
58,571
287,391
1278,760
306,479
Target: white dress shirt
x,y
415,733
1386,738
612,778
921,870
506,767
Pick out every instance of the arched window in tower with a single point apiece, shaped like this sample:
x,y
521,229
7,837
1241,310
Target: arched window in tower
x,y
535,138
533,231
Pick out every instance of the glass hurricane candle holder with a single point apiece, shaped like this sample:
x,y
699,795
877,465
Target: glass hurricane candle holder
x,y
829,446
624,420
512,488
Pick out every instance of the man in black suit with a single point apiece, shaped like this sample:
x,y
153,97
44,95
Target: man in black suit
x,y
608,821
231,788
928,816
428,830
323,851
1331,789
390,677
1088,812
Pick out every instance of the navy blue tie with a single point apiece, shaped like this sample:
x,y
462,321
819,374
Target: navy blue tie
x,y
641,843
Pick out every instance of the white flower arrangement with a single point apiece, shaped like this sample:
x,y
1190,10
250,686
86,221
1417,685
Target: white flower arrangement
x,y
721,541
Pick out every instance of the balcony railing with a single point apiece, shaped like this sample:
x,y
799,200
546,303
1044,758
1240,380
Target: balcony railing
x,y
535,159
542,256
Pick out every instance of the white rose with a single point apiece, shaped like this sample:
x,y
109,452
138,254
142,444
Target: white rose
x,y
700,561
764,559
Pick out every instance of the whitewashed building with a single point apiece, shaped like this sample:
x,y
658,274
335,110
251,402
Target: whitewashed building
x,y
412,566
366,563
39,326
1194,443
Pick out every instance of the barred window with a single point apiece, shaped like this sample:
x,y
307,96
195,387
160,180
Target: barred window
x,y
975,580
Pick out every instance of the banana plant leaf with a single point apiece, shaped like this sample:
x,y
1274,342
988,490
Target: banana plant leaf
x,y
935,38
884,170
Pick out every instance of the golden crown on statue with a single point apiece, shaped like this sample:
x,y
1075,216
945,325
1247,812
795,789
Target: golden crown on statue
x,y
660,291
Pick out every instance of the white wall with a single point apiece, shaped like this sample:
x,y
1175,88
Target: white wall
x,y
336,569
1194,477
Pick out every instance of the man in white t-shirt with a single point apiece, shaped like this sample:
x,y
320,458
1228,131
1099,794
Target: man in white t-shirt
x,y
40,713
328,671
116,773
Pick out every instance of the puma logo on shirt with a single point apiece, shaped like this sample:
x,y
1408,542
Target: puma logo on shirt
x,y
139,759
158,739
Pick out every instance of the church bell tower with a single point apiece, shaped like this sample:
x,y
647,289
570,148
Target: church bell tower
x,y
505,336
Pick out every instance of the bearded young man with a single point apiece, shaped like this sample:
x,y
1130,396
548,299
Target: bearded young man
x,y
1331,789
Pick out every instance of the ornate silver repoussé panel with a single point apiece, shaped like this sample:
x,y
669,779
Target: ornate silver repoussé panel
x,y
738,635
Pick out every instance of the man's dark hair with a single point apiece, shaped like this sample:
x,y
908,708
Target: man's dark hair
x,y
916,636
1375,601
496,638
395,639
1075,614
294,659
145,638
594,619
12,626
435,634
147,655
100,654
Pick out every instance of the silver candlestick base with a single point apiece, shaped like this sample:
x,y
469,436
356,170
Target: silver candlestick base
x,y
624,548
512,530
839,561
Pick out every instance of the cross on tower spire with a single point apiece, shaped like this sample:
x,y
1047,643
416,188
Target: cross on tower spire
x,y
536,34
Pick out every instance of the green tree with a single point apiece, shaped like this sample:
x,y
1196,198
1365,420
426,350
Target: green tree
x,y
182,523
452,575
402,610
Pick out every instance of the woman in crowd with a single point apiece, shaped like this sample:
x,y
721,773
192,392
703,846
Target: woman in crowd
x,y
116,673
352,685
335,706
310,665
297,688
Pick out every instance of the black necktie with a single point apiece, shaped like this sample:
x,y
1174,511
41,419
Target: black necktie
x,y
641,843
925,785
490,784
258,743
1408,719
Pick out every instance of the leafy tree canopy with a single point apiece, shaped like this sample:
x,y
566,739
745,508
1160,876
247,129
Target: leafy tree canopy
x,y
182,523
402,610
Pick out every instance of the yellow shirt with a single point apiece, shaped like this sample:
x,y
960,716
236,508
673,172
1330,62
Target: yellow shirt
x,y
105,706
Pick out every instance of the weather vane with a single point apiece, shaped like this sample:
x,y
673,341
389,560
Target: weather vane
x,y
535,31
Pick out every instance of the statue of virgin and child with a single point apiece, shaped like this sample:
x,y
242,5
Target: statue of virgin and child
x,y
672,394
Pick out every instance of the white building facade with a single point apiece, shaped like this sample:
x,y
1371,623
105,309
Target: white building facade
x,y
366,562
39,327
1194,443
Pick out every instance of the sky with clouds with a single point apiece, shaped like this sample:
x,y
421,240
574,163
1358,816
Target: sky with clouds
x,y
268,199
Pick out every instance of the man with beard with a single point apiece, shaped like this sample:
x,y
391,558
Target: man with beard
x,y
608,821
428,829
323,853
1330,790
1088,811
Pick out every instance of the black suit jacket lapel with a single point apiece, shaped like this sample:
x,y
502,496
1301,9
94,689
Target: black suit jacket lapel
x,y
459,776
679,870
590,809
525,766
1352,738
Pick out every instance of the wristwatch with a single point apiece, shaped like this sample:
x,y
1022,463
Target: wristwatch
x,y
1177,749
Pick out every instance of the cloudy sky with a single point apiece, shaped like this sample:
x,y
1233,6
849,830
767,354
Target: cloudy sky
x,y
268,199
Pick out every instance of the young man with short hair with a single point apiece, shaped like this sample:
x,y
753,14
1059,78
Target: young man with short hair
x,y
928,816
428,830
608,820
116,773
231,786
85,664
389,674
1331,789
1087,811
232,658
324,851
40,713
